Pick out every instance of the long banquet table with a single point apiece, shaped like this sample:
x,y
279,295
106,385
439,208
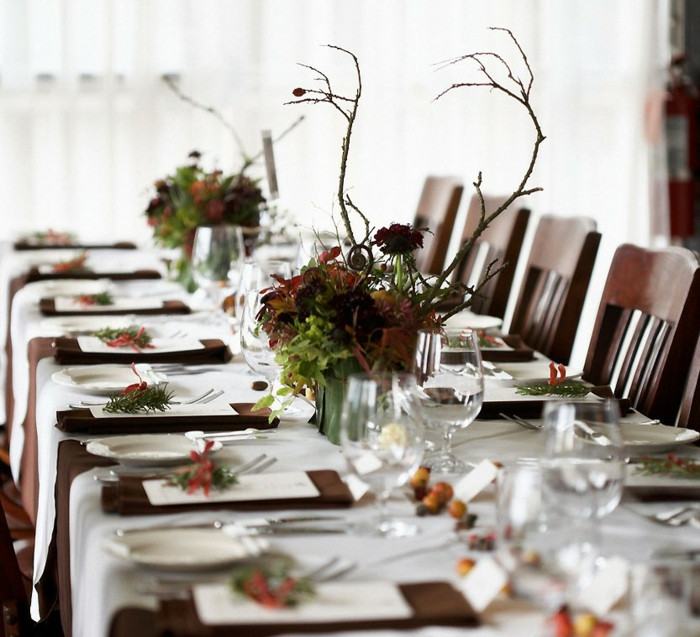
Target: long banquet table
x,y
95,587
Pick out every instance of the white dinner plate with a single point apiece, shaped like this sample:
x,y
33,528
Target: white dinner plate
x,y
185,549
641,439
104,380
73,287
146,449
465,320
84,324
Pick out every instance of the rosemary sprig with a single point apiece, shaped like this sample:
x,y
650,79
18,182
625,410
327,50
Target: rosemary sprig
x,y
124,337
272,586
566,389
101,298
140,400
671,465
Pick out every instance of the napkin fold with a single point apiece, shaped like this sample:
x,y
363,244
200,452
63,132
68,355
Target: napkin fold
x,y
67,352
128,497
433,604
82,421
35,274
47,306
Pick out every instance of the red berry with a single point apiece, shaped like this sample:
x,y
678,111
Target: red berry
x,y
299,92
443,491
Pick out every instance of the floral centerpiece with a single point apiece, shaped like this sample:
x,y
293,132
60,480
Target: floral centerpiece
x,y
193,196
358,304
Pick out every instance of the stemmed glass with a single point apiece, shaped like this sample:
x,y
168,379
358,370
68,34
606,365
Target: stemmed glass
x,y
255,343
217,257
256,276
451,386
381,435
583,473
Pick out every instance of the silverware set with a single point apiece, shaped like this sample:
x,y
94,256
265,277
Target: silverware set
x,y
677,516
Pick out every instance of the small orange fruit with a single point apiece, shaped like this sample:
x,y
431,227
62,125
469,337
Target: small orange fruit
x,y
444,491
465,565
457,508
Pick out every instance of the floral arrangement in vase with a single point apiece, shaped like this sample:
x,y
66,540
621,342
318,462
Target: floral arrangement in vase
x,y
359,304
193,196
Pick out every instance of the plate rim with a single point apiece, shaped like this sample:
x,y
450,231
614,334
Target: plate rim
x,y
127,461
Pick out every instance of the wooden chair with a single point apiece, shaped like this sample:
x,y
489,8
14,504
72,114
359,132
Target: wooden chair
x,y
502,242
437,210
16,621
689,415
646,328
555,282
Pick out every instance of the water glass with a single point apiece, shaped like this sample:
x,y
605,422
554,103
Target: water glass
x,y
451,384
381,435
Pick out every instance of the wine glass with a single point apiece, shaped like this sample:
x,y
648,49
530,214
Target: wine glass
x,y
255,343
451,384
217,256
583,473
527,540
381,435
258,275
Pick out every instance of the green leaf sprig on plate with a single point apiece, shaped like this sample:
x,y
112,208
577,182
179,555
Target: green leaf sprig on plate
x,y
139,398
203,473
272,585
557,385
101,298
136,338
672,466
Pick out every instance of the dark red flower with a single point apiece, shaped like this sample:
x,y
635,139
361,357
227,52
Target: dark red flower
x,y
398,238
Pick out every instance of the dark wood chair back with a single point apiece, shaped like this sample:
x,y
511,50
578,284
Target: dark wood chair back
x,y
689,415
13,596
502,242
437,211
555,282
646,328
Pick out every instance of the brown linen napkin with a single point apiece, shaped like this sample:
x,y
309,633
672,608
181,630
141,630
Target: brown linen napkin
x,y
82,421
533,408
35,275
663,492
520,352
120,245
68,352
47,306
128,497
433,603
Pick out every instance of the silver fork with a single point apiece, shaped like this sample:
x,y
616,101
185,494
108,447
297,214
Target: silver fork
x,y
678,516
528,424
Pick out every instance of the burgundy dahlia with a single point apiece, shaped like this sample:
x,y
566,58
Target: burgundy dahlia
x,y
398,238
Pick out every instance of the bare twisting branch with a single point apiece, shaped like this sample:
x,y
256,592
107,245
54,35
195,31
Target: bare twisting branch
x,y
520,92
347,107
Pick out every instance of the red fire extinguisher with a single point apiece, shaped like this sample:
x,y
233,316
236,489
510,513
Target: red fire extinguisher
x,y
682,111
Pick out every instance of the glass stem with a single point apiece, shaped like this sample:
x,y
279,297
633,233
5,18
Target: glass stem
x,y
382,511
446,449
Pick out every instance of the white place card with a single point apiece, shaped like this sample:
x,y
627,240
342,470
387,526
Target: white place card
x,y
607,587
93,345
475,481
333,602
483,583
196,411
72,304
264,486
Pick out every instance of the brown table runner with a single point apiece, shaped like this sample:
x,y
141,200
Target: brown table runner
x,y
433,604
35,274
68,352
55,584
47,306
82,421
128,497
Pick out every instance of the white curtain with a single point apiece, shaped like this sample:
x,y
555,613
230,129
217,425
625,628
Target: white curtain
x,y
87,122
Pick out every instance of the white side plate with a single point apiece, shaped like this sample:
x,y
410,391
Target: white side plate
x,y
640,439
185,549
104,380
146,449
